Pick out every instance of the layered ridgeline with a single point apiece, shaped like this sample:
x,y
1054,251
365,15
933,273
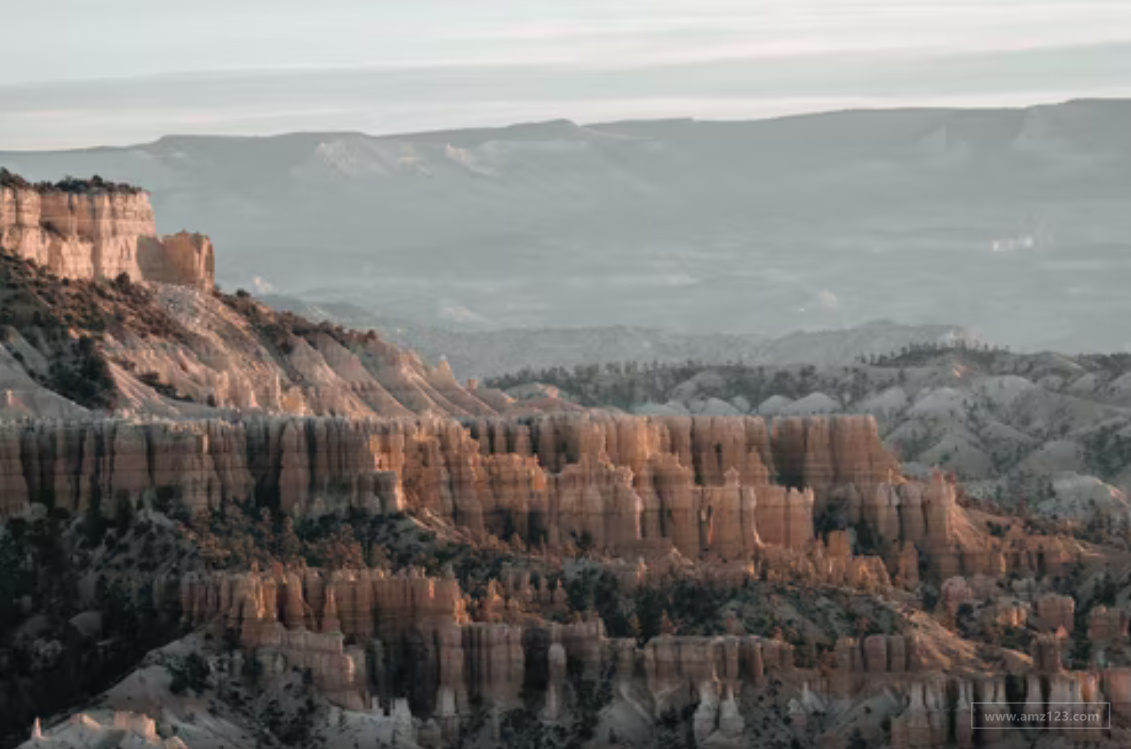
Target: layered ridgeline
x,y
321,541
98,312
818,221
618,483
484,354
629,486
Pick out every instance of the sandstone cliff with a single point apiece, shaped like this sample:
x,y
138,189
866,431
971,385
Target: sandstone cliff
x,y
452,651
93,229
76,324
627,485
286,618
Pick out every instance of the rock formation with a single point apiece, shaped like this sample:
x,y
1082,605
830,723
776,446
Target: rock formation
x,y
93,229
168,350
1108,625
556,515
618,483
126,730
355,629
1055,611
288,619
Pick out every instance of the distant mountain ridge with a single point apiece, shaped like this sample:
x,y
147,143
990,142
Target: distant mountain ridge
x,y
484,354
1011,221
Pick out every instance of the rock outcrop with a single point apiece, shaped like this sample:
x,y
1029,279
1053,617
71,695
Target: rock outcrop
x,y
630,485
1055,611
293,618
175,351
618,483
859,660
93,229
121,730
1108,625
371,636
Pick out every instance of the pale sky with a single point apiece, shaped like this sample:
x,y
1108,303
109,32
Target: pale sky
x,y
77,73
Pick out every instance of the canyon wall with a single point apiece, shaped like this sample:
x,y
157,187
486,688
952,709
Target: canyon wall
x,y
91,230
177,348
705,487
411,636
628,485
371,638
613,482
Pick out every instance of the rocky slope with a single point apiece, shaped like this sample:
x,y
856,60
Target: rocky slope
x,y
162,349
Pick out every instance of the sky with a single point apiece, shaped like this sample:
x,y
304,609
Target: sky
x,y
75,73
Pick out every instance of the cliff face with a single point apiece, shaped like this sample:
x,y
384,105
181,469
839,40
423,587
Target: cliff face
x,y
356,629
619,483
92,230
288,618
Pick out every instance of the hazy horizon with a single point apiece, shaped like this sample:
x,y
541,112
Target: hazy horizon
x,y
128,72
769,115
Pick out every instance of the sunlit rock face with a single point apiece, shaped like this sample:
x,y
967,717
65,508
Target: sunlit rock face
x,y
614,482
626,485
90,230
355,630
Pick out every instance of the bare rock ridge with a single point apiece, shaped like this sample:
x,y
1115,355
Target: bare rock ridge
x,y
162,348
94,229
629,485
488,473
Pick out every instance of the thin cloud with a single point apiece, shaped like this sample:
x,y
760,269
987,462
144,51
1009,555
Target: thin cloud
x,y
386,67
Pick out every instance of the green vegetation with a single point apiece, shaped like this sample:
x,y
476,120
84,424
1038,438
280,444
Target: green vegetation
x,y
48,661
66,321
67,184
189,673
624,385
523,728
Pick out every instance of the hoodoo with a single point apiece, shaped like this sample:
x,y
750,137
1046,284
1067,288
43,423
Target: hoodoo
x,y
291,534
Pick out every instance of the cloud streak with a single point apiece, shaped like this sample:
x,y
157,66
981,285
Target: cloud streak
x,y
110,76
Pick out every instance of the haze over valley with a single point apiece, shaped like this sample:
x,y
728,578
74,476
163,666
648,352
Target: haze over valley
x,y
1011,223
